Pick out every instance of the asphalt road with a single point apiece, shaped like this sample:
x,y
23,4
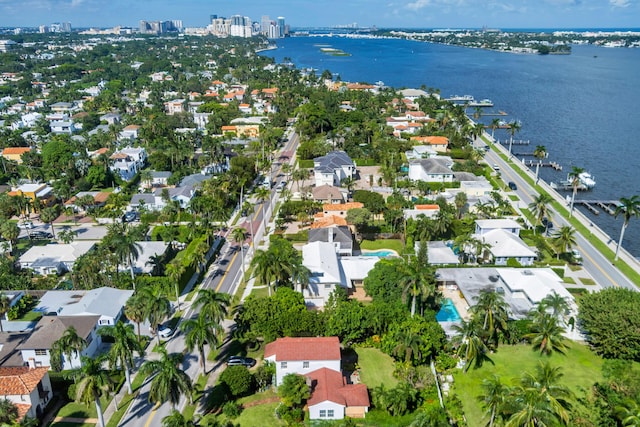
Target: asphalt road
x,y
224,276
601,269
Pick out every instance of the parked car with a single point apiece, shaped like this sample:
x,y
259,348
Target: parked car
x,y
281,186
496,167
576,257
130,216
512,185
40,235
165,332
249,362
27,225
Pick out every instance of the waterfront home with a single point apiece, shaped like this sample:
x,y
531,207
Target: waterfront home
x,y
437,169
485,226
319,359
28,388
36,350
333,168
505,245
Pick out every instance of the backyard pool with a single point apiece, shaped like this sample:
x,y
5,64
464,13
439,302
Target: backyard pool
x,y
448,312
381,253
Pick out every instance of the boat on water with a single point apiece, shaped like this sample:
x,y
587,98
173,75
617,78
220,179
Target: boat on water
x,y
463,98
586,181
481,103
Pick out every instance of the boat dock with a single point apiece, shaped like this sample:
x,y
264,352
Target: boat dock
x,y
533,164
499,113
609,206
514,142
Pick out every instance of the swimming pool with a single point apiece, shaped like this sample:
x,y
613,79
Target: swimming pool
x,y
378,253
448,312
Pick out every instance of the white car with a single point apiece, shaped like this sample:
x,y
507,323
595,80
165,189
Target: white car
x,y
27,225
165,332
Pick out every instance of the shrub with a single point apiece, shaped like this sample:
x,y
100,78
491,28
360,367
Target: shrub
x,y
232,409
238,379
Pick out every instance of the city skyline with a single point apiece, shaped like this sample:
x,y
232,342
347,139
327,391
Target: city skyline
x,y
309,13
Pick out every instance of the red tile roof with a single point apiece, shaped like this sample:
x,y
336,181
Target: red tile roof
x,y
328,221
427,207
16,150
20,380
304,348
329,385
342,206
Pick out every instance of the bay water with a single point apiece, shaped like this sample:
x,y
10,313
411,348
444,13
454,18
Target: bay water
x,y
582,107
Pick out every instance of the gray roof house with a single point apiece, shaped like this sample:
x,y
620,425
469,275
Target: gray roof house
x,y
340,237
436,169
333,168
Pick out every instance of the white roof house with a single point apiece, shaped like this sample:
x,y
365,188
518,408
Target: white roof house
x,y
105,302
55,258
145,252
436,169
505,245
483,226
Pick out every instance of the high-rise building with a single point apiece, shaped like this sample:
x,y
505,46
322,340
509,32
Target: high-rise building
x,y
281,26
265,23
240,26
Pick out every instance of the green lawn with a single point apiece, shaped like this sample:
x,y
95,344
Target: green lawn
x,y
376,368
581,369
259,415
374,245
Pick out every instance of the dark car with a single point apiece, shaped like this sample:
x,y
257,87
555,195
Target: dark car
x,y
248,362
512,185
38,235
130,216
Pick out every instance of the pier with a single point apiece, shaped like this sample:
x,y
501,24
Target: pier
x,y
609,206
514,142
533,164
499,113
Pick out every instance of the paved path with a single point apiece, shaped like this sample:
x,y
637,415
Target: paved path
x,y
75,420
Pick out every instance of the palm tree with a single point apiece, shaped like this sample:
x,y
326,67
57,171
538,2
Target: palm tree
x,y
495,124
493,397
169,382
564,239
174,271
416,282
263,264
198,332
127,250
176,419
157,307
471,347
239,235
540,152
574,178
48,215
514,127
546,335
69,344
494,312
299,276
94,382
628,207
557,303
408,347
629,413
5,305
135,309
540,208
214,304
121,351
263,194
538,400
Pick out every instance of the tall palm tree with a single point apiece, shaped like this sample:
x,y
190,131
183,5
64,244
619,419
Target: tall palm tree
x,y
540,152
198,332
239,235
574,178
263,264
557,303
128,250
93,383
5,305
546,334
628,207
169,382
299,276
135,309
494,312
48,215
174,271
69,344
471,347
514,127
540,208
493,397
416,282
564,239
495,124
121,351
539,400
408,347
263,194
214,304
157,307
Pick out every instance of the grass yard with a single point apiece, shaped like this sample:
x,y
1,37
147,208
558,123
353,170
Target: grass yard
x,y
376,368
259,415
374,245
581,368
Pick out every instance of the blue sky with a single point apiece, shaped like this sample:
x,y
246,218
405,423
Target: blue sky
x,y
383,13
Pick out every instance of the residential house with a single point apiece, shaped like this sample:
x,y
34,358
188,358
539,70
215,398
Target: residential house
x,y
111,118
420,152
333,168
249,127
14,154
484,226
329,194
54,258
505,245
63,127
36,350
174,107
201,120
339,209
340,237
146,252
324,272
476,188
107,303
42,192
319,359
437,169
428,211
438,143
158,179
29,388
439,253
62,107
130,132
99,200
148,201
128,161
324,221
9,342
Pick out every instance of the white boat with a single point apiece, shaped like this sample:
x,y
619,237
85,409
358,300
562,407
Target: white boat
x,y
481,103
587,179
458,98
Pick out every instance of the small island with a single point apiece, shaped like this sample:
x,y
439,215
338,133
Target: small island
x,y
333,51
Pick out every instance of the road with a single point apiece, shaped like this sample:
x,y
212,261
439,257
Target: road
x,y
223,276
601,269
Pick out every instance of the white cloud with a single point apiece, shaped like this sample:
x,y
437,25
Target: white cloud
x,y
620,3
418,4
421,4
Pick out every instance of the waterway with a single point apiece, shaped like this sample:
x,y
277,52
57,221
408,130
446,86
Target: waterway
x,y
582,107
